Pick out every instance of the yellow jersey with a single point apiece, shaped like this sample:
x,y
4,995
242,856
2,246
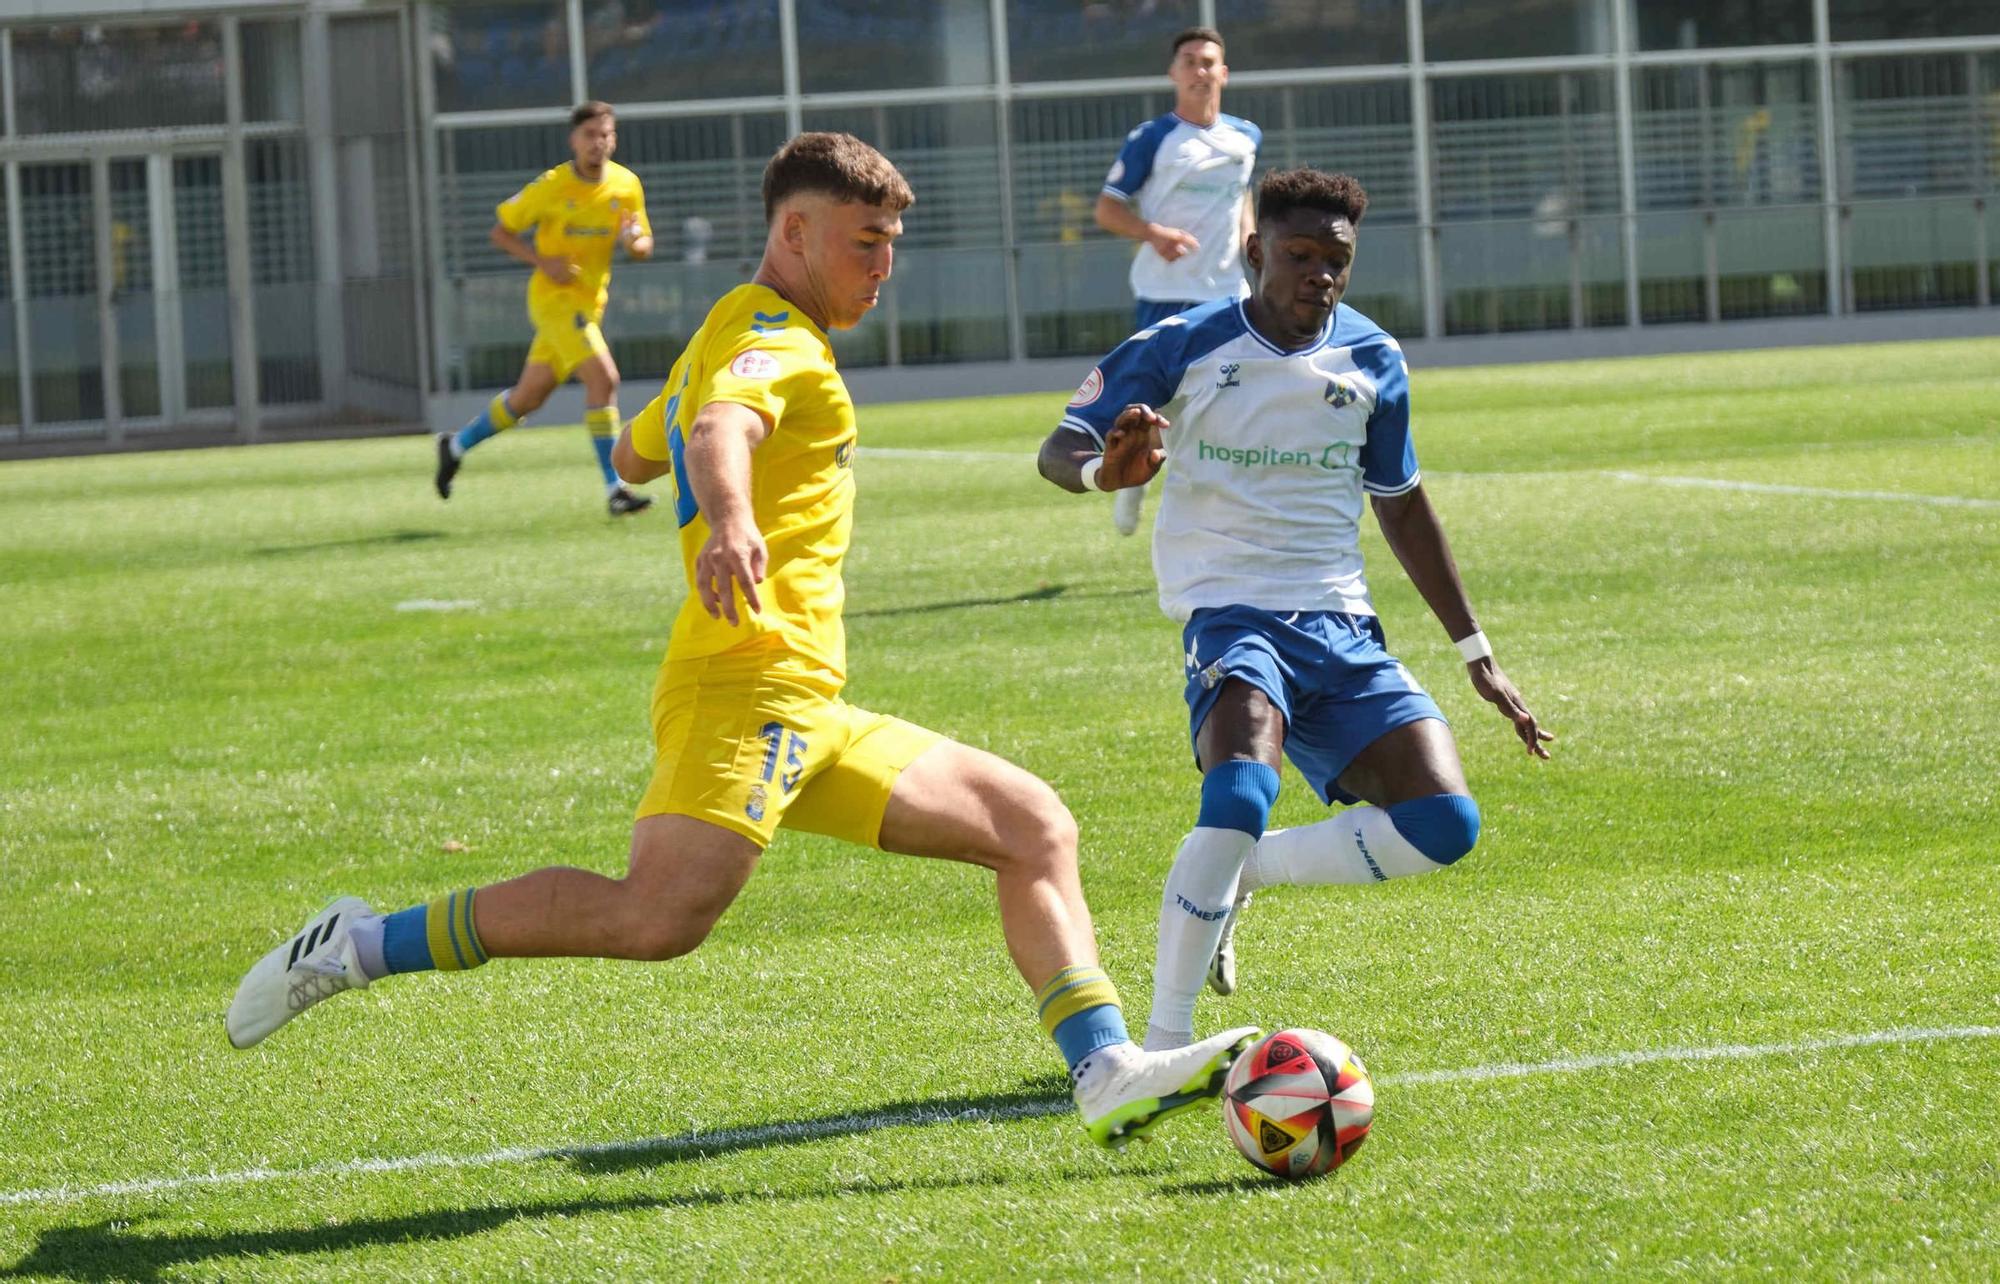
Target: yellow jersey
x,y
576,219
757,349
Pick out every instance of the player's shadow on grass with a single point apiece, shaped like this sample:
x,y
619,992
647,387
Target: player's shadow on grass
x,y
113,1250
1043,593
1035,1100
359,541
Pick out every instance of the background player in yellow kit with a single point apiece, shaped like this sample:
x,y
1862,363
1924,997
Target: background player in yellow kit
x,y
565,225
748,719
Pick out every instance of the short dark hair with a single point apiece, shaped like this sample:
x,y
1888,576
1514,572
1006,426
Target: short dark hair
x,y
836,165
1196,33
586,112
1285,190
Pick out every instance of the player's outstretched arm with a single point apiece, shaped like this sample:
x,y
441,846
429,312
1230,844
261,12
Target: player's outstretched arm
x,y
1415,535
1132,453
716,461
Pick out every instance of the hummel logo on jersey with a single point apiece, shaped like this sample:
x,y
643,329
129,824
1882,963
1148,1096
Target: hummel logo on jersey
x,y
1229,379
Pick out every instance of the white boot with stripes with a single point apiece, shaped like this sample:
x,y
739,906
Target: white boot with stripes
x,y
314,965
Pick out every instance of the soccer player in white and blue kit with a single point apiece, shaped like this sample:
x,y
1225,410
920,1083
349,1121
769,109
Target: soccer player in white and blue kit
x,y
1180,187
1279,412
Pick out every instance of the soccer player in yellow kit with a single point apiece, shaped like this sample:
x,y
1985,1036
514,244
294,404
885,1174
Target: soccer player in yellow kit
x,y
565,225
758,431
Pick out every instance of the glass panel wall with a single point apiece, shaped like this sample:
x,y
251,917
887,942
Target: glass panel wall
x,y
10,364
1065,40
1907,20
842,44
1314,33
1525,181
1455,29
106,76
667,50
273,85
201,246
132,289
58,233
1710,24
499,54
282,271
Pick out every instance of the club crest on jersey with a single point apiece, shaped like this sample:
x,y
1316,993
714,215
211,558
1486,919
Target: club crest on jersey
x,y
1340,393
843,454
754,364
1090,390
1229,373
754,809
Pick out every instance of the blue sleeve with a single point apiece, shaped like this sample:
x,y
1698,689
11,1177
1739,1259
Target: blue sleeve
x,y
1141,369
1389,457
1135,160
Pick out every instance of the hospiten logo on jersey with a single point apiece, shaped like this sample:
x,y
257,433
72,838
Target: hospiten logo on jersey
x,y
1091,389
754,364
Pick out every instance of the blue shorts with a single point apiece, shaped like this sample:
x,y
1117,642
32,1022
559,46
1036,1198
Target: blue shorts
x,y
1337,686
1149,313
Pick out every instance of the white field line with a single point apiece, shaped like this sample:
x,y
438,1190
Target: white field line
x,y
439,604
1811,492
1026,458
696,1143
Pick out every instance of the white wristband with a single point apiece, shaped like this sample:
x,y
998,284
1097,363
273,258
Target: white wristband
x,y
1474,646
1092,467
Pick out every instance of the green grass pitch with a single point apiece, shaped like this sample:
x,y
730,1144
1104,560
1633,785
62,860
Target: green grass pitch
x,y
1771,820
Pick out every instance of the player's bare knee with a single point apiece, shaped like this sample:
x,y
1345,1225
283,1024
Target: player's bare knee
x,y
1444,827
1041,835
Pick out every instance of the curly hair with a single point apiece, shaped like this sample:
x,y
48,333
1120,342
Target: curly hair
x,y
1285,190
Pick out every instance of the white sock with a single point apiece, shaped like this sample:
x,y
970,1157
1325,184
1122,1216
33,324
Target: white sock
x,y
1158,1040
1100,1063
1201,887
1360,845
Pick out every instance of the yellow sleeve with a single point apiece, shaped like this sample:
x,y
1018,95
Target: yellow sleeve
x,y
639,207
650,426
523,209
763,371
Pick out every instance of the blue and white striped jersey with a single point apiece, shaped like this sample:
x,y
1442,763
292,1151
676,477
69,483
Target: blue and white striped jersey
x,y
1194,178
1268,457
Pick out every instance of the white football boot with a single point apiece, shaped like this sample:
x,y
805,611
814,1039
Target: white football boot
x,y
1125,505
1222,968
1133,1090
316,964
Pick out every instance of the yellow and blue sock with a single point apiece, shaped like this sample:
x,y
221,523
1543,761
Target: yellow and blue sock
x,y
439,935
603,424
495,418
1079,1008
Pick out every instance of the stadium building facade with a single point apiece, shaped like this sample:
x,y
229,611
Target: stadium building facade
x,y
235,221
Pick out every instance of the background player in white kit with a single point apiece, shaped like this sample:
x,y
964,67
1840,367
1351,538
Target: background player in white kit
x,y
1279,412
1180,187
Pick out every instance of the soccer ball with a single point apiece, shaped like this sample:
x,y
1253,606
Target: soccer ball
x,y
1298,1104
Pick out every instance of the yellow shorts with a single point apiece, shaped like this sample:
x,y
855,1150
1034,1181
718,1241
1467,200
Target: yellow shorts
x,y
744,745
564,340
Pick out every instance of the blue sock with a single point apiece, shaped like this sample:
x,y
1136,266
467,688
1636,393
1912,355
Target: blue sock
x,y
438,935
603,448
602,421
1079,1008
1238,795
486,423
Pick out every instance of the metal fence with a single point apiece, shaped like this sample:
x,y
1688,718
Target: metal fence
x,y
287,205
